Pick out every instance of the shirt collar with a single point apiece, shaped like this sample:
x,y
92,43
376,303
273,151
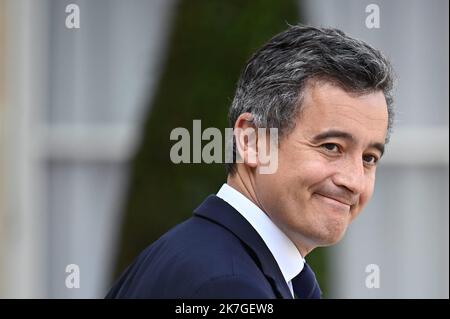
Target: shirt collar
x,y
282,248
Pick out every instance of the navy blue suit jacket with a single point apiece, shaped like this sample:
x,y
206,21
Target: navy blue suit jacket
x,y
214,254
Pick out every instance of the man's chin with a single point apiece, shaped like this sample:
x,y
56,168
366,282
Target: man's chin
x,y
331,236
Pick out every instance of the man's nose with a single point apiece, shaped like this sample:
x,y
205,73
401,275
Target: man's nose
x,y
351,175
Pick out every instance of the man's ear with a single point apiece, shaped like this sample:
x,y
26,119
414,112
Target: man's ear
x,y
246,137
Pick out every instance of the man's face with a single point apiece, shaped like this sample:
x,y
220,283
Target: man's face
x,y
326,166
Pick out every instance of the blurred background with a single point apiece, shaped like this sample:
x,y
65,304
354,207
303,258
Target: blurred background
x,y
86,113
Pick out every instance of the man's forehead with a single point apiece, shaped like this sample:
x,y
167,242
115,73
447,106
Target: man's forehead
x,y
332,97
355,113
328,107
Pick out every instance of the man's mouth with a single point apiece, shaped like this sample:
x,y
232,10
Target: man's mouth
x,y
337,202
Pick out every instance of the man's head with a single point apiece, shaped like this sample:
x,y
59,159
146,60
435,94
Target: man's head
x,y
330,97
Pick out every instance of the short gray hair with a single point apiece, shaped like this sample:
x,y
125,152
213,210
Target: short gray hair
x,y
272,83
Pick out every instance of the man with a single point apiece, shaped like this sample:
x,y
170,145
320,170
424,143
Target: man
x,y
329,96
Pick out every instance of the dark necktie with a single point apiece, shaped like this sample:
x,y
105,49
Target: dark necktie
x,y
305,284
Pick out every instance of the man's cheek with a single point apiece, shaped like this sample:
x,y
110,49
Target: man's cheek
x,y
316,170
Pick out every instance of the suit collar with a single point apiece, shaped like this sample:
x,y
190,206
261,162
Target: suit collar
x,y
282,248
220,212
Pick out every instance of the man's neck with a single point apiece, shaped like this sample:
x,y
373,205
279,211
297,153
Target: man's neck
x,y
242,182
244,186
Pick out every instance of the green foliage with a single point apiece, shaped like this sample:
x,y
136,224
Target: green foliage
x,y
209,45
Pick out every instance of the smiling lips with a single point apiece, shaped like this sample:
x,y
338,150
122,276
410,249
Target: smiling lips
x,y
338,202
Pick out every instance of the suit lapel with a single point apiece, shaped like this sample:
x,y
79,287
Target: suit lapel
x,y
217,210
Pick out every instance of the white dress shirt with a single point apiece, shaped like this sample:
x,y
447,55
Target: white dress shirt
x,y
282,248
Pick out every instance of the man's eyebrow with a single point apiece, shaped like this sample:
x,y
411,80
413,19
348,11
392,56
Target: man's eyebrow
x,y
344,135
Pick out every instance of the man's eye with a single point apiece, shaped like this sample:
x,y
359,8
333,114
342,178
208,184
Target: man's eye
x,y
370,159
331,147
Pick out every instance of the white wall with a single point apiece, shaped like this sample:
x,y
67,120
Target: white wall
x,y
77,98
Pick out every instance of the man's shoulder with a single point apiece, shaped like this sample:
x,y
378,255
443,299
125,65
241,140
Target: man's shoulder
x,y
204,247
191,259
